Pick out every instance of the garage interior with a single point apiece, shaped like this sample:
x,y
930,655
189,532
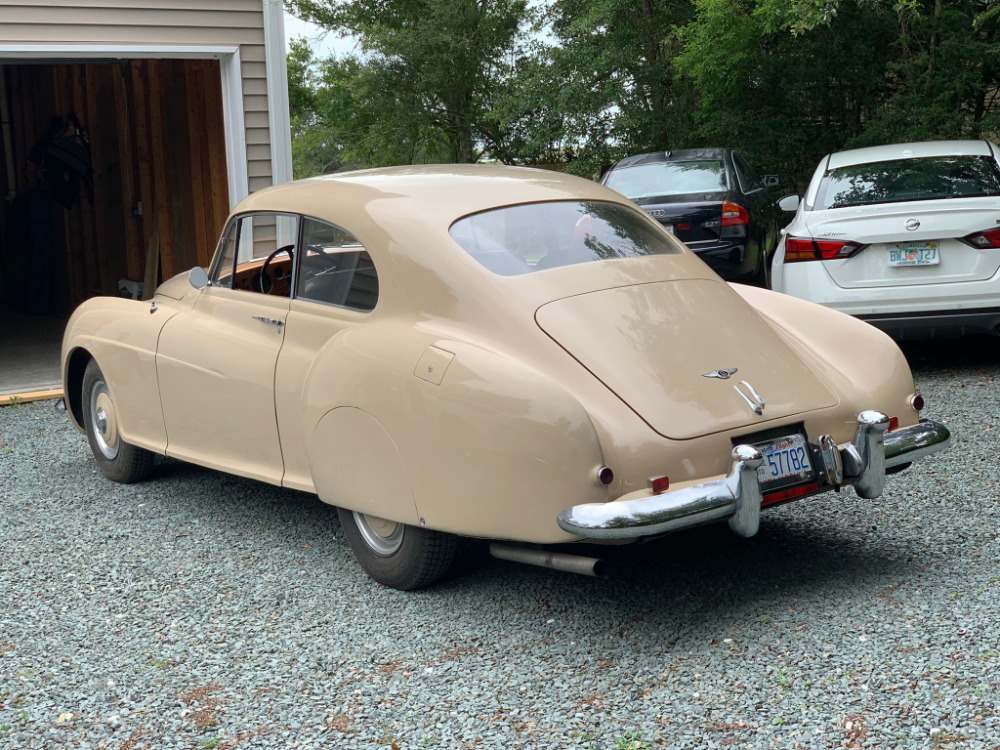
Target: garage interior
x,y
115,178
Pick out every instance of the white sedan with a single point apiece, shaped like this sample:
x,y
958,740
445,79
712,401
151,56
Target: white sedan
x,y
905,236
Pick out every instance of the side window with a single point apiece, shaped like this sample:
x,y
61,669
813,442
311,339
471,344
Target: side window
x,y
748,178
334,268
256,254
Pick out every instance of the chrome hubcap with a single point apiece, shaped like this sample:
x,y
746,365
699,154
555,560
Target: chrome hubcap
x,y
103,423
382,537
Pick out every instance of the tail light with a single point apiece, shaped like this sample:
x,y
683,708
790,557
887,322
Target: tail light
x,y
799,249
983,240
733,214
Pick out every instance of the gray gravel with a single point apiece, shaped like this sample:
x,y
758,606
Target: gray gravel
x,y
198,610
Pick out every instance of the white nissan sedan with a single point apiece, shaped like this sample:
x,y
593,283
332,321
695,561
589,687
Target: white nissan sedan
x,y
905,236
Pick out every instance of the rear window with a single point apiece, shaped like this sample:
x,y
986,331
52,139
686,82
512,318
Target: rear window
x,y
668,178
930,178
523,239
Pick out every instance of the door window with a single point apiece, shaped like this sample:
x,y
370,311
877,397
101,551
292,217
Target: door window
x,y
257,253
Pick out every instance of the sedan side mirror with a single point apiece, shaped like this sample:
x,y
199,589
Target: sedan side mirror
x,y
771,180
789,203
198,277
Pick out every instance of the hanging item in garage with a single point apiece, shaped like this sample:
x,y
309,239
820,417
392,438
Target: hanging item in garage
x,y
64,155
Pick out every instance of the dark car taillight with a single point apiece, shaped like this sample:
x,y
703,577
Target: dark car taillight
x,y
735,219
733,214
798,249
983,240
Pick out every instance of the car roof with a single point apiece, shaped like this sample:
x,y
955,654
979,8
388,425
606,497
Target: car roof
x,y
662,157
916,150
432,194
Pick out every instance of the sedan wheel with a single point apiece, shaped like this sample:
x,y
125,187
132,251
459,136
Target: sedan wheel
x,y
396,555
118,460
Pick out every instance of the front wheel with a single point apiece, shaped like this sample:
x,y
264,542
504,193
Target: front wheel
x,y
397,555
118,460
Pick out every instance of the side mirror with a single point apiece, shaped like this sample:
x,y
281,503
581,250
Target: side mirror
x,y
198,277
771,180
789,203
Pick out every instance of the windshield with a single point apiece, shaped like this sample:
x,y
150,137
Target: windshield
x,y
669,178
523,239
929,178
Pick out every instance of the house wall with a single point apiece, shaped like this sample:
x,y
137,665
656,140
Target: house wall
x,y
184,23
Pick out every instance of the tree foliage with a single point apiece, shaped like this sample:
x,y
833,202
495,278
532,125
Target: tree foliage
x,y
585,82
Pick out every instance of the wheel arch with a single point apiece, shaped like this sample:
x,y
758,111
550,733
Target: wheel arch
x,y
76,365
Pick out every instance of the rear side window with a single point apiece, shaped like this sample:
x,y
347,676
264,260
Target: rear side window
x,y
335,269
668,178
930,178
523,239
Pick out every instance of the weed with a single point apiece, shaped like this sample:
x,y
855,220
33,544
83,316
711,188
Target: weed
x,y
161,663
631,741
783,679
210,744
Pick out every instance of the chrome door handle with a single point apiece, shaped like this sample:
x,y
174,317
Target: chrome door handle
x,y
269,321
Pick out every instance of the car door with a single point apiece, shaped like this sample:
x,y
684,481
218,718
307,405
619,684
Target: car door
x,y
337,288
215,362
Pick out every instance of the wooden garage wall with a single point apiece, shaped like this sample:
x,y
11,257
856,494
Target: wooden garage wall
x,y
161,22
157,139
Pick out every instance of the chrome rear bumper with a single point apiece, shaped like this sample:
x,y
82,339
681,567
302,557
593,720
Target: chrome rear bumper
x,y
862,462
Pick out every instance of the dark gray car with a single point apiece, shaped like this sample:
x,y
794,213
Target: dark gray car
x,y
712,200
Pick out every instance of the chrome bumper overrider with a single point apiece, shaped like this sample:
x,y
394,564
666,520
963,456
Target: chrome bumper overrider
x,y
862,462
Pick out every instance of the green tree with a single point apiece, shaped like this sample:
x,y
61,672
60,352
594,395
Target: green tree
x,y
430,79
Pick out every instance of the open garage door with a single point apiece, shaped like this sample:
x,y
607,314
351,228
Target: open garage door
x,y
142,198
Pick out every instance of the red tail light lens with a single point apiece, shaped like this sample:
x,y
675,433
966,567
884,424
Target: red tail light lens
x,y
733,214
799,249
983,240
659,485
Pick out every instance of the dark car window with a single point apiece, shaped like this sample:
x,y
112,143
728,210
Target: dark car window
x,y
335,269
928,178
669,178
745,174
522,239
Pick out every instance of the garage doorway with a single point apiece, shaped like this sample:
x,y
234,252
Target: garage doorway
x,y
143,196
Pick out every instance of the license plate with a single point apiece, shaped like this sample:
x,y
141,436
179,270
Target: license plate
x,y
669,228
786,461
914,254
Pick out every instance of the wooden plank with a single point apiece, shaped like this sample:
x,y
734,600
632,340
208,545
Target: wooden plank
x,y
217,165
177,148
108,217
23,398
158,154
127,171
140,130
101,279
202,215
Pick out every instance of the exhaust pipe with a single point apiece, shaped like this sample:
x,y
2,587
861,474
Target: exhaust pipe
x,y
586,566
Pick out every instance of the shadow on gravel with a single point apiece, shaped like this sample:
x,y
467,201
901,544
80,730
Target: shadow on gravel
x,y
703,575
952,354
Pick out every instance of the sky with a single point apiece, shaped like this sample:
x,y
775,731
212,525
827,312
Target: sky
x,y
323,43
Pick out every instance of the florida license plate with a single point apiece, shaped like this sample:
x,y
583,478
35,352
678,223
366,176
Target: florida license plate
x,y
786,461
914,254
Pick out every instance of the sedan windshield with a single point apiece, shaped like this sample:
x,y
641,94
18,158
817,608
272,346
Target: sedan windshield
x,y
929,178
522,239
669,178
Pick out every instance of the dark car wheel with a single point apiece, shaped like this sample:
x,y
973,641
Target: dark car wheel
x,y
396,555
118,460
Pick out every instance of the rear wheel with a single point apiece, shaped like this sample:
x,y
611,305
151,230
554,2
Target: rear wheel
x,y
395,554
118,460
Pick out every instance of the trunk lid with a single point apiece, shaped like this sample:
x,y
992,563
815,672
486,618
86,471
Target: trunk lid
x,y
652,344
693,219
883,229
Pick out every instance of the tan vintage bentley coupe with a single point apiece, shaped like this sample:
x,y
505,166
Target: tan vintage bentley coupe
x,y
492,352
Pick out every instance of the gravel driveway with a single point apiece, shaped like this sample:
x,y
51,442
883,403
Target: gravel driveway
x,y
198,610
